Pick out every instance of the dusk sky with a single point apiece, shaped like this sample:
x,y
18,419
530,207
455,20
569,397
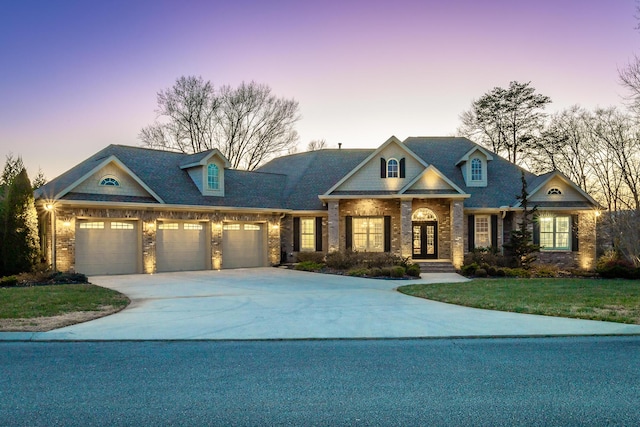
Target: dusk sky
x,y
79,75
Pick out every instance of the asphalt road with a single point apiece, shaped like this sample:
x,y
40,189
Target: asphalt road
x,y
554,381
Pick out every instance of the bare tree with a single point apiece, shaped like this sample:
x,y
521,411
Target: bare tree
x,y
247,124
316,144
506,120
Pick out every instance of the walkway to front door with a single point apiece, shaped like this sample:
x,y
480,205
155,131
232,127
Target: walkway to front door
x,y
425,240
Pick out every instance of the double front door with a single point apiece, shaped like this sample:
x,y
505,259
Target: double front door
x,y
425,240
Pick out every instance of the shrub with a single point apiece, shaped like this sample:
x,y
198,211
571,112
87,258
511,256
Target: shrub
x,y
375,272
544,270
397,271
413,270
309,266
317,257
358,272
469,269
341,260
516,272
500,272
618,269
481,272
8,281
386,271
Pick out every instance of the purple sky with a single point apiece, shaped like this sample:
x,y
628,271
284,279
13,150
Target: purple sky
x,y
79,75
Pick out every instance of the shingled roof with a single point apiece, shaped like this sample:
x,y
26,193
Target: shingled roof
x,y
161,172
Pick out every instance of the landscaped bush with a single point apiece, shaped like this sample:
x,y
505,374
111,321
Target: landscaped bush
x,y
413,270
469,269
317,257
397,271
358,272
481,272
618,269
545,270
51,278
341,260
309,266
516,272
8,281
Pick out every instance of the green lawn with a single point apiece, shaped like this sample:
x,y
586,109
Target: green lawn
x,y
595,299
44,301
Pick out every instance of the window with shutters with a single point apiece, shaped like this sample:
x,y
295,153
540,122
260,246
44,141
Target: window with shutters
x,y
307,234
368,234
555,232
482,231
392,168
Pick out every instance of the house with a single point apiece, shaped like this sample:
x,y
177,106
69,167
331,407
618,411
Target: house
x,y
136,210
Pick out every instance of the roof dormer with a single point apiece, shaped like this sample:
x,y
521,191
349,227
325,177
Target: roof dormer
x,y
474,165
207,171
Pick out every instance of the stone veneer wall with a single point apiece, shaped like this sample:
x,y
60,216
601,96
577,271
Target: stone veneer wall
x,y
371,207
66,229
584,258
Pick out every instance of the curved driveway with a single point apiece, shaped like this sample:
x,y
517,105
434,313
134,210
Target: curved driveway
x,y
272,303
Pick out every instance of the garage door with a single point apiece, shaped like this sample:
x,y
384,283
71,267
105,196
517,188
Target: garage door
x,y
105,246
181,246
243,245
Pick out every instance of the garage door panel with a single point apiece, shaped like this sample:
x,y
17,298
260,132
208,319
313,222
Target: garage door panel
x,y
107,247
243,245
181,247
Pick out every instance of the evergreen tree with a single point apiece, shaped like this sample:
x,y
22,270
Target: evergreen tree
x,y
20,241
521,245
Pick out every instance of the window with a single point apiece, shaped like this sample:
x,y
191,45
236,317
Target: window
x,y
231,227
392,168
307,234
189,226
122,226
109,181
483,231
476,170
95,225
554,190
555,233
252,227
368,234
212,177
168,226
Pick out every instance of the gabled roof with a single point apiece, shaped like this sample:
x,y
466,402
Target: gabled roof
x,y
374,154
432,170
542,180
201,159
468,154
161,173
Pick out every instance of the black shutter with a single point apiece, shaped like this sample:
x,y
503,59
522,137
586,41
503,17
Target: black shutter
x,y
296,234
319,233
383,168
472,232
387,234
494,231
402,172
348,232
536,231
575,243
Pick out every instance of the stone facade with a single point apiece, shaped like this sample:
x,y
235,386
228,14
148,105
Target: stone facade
x,y
371,207
65,224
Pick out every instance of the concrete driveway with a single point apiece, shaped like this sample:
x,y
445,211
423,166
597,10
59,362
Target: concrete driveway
x,y
271,303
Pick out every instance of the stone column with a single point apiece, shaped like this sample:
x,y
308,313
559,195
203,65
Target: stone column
x,y
406,246
334,225
457,233
149,246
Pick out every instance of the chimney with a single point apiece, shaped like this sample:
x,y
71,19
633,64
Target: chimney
x,y
339,145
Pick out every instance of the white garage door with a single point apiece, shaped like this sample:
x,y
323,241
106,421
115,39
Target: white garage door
x,y
243,245
181,246
105,246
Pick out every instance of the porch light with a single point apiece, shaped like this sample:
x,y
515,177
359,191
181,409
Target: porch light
x,y
49,206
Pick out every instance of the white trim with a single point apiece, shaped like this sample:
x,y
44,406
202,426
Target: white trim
x,y
333,197
393,139
162,207
110,159
567,181
468,154
205,160
440,174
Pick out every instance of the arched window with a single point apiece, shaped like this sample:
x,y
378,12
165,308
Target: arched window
x,y
109,181
476,170
554,190
423,214
212,177
392,168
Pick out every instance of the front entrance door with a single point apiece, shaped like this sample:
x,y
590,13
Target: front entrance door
x,y
425,240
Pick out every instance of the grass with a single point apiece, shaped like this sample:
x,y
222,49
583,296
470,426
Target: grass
x,y
613,300
54,300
